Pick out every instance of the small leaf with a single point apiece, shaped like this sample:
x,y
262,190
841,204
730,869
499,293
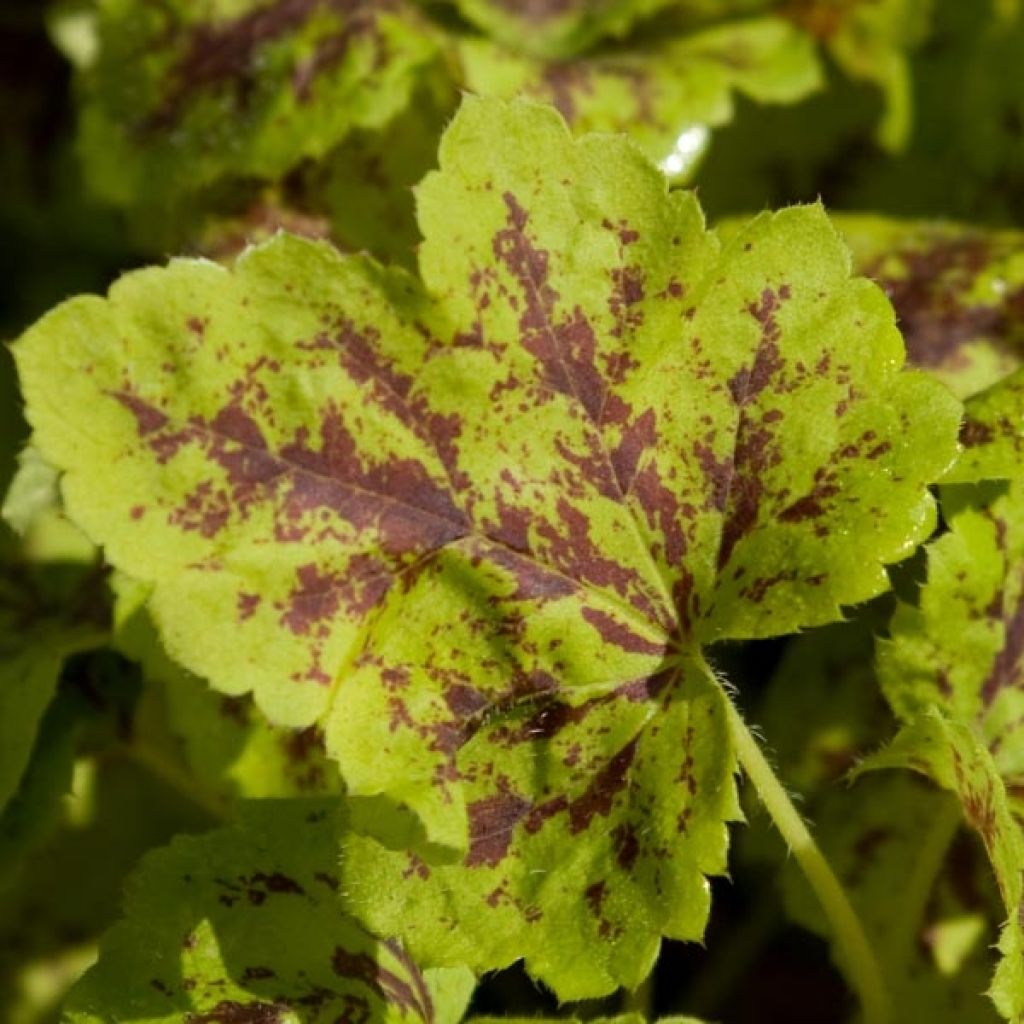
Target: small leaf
x,y
245,923
490,520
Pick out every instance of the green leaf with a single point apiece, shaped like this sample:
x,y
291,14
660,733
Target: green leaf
x,y
560,29
183,96
952,671
992,433
889,839
958,293
494,517
245,923
664,92
959,647
958,759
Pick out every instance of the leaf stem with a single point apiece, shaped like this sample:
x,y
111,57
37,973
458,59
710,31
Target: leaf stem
x,y
856,954
931,855
174,778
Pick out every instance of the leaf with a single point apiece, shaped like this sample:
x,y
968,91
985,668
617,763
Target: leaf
x,y
959,648
563,28
952,671
245,924
183,96
958,293
889,840
956,757
992,433
665,92
503,511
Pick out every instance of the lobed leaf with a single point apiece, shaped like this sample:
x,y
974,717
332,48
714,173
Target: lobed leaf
x,y
245,924
665,92
182,96
953,672
486,521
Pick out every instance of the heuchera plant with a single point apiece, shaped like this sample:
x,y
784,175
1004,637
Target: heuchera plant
x,y
414,616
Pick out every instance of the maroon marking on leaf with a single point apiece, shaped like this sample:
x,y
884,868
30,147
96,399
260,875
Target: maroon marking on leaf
x,y
148,417
637,437
717,472
257,973
247,605
230,1012
1007,667
600,794
627,846
386,984
573,553
565,351
224,55
812,505
594,896
492,822
464,701
627,292
974,434
749,382
663,512
616,632
753,456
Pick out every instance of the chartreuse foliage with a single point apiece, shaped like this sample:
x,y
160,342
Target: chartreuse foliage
x,y
952,673
245,924
482,523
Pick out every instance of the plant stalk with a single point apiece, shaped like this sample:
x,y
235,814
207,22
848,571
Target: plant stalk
x,y
856,954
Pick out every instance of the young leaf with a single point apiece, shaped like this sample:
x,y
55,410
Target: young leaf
x,y
182,96
952,672
245,924
666,93
504,510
